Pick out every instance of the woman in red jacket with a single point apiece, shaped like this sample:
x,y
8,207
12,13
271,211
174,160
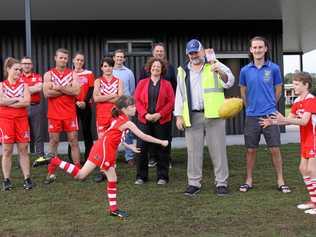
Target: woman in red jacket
x,y
154,99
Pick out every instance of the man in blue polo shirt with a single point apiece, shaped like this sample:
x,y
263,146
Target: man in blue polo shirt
x,y
260,87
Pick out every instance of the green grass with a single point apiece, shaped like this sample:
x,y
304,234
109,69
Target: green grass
x,y
72,208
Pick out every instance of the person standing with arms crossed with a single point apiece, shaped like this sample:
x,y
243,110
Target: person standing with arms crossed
x,y
260,88
107,89
35,110
14,127
60,87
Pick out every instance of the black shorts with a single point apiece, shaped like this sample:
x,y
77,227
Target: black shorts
x,y
253,131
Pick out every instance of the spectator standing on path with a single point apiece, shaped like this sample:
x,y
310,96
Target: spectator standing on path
x,y
200,93
261,87
127,77
159,52
60,87
35,110
14,126
84,102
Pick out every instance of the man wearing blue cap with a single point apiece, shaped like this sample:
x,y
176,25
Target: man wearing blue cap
x,y
199,94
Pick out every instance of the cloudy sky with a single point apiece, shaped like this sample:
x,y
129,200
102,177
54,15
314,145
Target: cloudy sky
x,y
291,62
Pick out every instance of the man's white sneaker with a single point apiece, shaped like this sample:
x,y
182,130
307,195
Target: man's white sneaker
x,y
306,205
311,211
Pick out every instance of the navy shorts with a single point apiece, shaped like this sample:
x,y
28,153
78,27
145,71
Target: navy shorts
x,y
253,131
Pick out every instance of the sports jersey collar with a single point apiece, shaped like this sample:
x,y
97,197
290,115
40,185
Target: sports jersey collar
x,y
27,76
266,64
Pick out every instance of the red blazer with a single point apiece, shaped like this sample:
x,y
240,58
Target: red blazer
x,y
165,100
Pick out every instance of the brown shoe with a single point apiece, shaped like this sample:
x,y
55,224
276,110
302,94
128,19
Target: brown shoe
x,y
131,162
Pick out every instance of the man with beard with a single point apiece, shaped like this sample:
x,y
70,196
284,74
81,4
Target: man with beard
x,y
199,94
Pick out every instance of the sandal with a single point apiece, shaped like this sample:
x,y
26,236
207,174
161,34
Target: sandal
x,y
245,188
284,189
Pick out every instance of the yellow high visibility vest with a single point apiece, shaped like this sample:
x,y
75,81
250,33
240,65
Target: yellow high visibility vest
x,y
213,93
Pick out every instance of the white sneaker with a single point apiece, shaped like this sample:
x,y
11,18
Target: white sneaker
x,y
306,205
161,182
311,211
139,182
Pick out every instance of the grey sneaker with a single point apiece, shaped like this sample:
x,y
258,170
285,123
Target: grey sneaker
x,y
161,182
221,191
192,191
28,184
50,179
139,182
6,185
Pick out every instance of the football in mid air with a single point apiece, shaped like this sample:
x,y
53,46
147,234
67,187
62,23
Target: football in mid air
x,y
230,108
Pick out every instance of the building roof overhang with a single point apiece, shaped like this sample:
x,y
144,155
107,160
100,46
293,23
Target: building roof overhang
x,y
299,28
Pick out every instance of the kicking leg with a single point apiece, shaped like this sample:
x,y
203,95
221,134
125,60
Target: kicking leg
x,y
71,169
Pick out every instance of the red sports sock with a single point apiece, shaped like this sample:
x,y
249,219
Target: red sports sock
x,y
111,190
77,164
69,168
308,184
53,164
313,192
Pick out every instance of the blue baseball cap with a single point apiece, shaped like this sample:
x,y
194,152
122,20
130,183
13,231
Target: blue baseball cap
x,y
193,46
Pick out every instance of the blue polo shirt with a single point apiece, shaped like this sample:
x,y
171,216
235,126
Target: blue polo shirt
x,y
260,83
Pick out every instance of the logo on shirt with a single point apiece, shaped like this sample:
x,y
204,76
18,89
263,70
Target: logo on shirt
x,y
73,124
83,80
33,79
26,134
311,152
267,75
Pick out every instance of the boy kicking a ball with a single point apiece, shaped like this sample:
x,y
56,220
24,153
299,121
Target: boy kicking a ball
x,y
103,152
303,113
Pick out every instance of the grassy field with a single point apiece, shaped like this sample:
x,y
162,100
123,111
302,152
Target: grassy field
x,y
71,208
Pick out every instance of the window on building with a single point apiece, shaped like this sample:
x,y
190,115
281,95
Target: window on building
x,y
112,46
131,47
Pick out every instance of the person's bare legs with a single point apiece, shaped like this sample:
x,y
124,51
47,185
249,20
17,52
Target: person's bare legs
x,y
6,162
24,159
53,142
73,142
251,160
278,164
